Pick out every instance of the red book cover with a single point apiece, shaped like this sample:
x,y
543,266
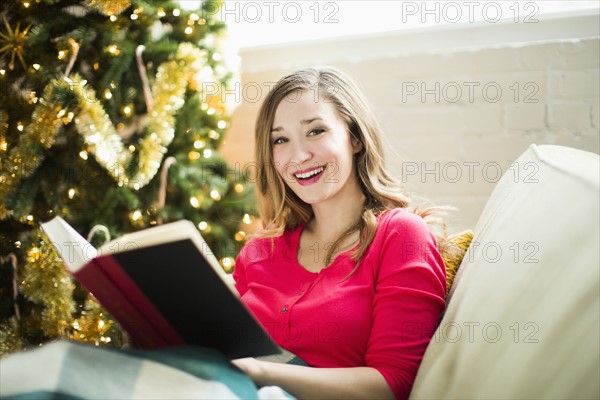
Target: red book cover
x,y
163,332
141,332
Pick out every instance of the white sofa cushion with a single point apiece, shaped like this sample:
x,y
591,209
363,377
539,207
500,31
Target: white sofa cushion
x,y
523,315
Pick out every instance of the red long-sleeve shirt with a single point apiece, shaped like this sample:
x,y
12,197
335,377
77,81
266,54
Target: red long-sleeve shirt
x,y
382,317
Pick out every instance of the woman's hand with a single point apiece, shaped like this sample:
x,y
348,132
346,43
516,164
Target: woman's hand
x,y
251,367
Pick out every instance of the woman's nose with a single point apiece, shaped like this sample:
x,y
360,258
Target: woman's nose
x,y
302,152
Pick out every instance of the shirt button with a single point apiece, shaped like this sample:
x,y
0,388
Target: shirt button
x,y
284,310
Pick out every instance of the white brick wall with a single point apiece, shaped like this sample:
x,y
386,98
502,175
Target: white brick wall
x,y
549,94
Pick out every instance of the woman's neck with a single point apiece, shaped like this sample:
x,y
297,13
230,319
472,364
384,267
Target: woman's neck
x,y
333,217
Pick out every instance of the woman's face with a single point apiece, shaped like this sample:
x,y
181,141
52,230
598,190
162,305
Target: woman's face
x,y
312,149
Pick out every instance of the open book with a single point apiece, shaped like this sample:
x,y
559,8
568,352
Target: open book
x,y
165,287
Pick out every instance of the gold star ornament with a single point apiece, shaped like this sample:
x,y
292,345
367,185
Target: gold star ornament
x,y
13,42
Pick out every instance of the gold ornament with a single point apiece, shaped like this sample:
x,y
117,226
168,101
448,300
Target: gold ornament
x,y
13,43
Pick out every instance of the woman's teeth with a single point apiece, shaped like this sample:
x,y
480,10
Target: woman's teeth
x,y
309,174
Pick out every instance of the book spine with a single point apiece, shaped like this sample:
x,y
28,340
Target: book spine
x,y
123,281
140,330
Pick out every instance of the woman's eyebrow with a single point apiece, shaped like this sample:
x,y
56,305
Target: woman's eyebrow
x,y
303,122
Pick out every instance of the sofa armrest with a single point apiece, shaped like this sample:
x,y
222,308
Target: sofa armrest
x,y
522,318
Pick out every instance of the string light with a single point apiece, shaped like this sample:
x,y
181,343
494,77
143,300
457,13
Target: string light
x,y
113,49
107,94
198,144
83,154
247,219
2,72
20,126
62,54
176,12
207,153
71,193
221,124
194,202
213,135
239,188
36,67
113,18
240,235
127,110
203,225
193,155
161,12
228,263
136,215
194,17
214,194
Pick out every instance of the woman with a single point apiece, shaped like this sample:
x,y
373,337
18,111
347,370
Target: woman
x,y
344,275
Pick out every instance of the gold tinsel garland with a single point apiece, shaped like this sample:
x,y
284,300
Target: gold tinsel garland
x,y
102,139
98,131
110,7
24,158
46,282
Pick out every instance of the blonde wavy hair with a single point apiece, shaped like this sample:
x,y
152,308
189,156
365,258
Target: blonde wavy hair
x,y
280,209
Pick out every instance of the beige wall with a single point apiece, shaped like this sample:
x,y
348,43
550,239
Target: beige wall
x,y
518,85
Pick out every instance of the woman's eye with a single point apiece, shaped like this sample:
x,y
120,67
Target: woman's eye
x,y
279,140
315,132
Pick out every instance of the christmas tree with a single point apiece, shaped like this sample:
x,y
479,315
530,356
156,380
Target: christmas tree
x,y
104,121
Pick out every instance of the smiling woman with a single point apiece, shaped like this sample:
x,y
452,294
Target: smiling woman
x,y
342,264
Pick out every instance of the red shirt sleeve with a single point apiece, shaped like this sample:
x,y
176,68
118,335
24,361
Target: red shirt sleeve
x,y
239,272
409,299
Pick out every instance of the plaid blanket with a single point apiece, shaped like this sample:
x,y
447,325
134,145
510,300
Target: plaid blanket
x,y
72,370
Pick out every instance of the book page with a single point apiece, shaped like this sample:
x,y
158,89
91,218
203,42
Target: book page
x,y
74,250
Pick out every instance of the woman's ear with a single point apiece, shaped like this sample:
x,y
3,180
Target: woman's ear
x,y
356,144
